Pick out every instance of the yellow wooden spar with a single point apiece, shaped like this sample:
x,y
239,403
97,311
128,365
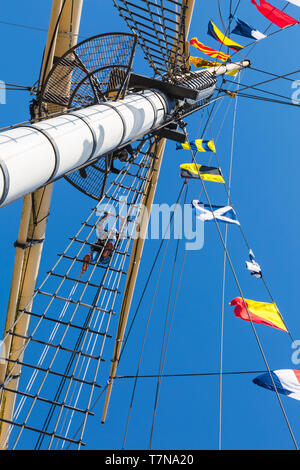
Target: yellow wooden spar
x,y
138,245
62,35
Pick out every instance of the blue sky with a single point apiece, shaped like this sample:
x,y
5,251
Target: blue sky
x,y
264,193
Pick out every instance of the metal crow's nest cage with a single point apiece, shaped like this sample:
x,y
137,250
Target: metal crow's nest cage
x,y
94,70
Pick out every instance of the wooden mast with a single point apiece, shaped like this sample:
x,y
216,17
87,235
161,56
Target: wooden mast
x,y
138,245
62,35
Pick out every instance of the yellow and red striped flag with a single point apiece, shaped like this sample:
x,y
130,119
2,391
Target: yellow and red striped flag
x,y
208,51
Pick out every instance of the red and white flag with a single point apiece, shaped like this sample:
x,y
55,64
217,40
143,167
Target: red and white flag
x,y
278,17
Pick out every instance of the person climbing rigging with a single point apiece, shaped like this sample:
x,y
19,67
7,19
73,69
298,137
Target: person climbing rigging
x,y
107,241
123,156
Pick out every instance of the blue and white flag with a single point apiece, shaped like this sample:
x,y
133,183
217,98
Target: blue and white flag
x,y
222,214
253,266
287,382
244,29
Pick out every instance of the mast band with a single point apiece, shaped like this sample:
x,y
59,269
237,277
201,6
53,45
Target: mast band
x,y
152,106
54,146
85,120
122,119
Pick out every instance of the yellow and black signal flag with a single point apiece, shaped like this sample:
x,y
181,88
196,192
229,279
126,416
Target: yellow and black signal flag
x,y
207,173
199,145
209,51
200,63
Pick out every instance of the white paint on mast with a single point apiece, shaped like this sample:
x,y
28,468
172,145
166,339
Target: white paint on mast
x,y
35,155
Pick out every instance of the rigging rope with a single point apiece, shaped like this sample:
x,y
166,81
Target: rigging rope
x,y
261,90
92,349
147,282
224,274
83,244
243,298
227,190
140,300
51,411
191,374
227,32
254,43
145,334
270,73
165,342
267,100
208,120
34,28
210,114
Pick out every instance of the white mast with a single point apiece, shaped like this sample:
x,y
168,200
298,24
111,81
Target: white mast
x,y
35,155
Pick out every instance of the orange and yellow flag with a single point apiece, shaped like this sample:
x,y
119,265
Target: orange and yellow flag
x,y
200,63
259,312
